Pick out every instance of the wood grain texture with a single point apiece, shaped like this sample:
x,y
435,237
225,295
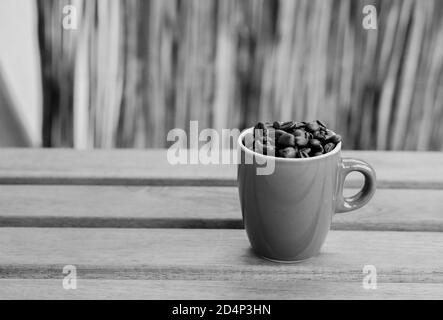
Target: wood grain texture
x,y
226,290
194,207
221,255
150,167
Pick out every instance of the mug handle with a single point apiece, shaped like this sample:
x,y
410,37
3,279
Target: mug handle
x,y
346,166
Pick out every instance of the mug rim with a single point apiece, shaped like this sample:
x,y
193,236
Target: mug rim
x,y
253,153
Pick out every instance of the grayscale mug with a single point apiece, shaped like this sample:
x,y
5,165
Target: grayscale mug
x,y
287,214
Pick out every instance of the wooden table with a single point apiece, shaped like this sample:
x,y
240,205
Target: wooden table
x,y
136,227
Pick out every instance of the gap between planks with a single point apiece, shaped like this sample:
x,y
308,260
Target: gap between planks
x,y
195,207
409,170
221,255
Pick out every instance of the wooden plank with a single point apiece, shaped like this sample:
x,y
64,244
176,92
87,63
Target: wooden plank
x,y
150,167
109,167
194,207
226,290
222,255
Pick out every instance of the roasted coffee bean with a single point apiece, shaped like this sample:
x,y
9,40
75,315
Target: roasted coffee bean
x,y
260,137
259,133
329,147
299,133
335,139
286,125
312,126
321,124
294,139
304,153
322,131
329,134
287,152
314,143
293,126
264,148
319,135
301,141
278,133
260,125
286,140
317,151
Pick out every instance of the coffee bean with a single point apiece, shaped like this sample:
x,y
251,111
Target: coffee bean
x,y
279,133
335,139
329,147
264,148
301,141
286,125
319,135
259,133
312,126
300,125
286,140
317,151
291,139
304,153
287,152
309,136
299,133
314,143
260,137
260,125
329,134
321,124
293,126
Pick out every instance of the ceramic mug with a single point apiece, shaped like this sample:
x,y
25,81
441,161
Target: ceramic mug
x,y
287,214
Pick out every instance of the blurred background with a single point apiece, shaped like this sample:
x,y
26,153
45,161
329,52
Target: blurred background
x,y
134,69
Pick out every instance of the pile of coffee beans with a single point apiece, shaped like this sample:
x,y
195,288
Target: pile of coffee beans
x,y
293,139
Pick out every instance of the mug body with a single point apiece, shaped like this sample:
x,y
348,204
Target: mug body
x,y
287,213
